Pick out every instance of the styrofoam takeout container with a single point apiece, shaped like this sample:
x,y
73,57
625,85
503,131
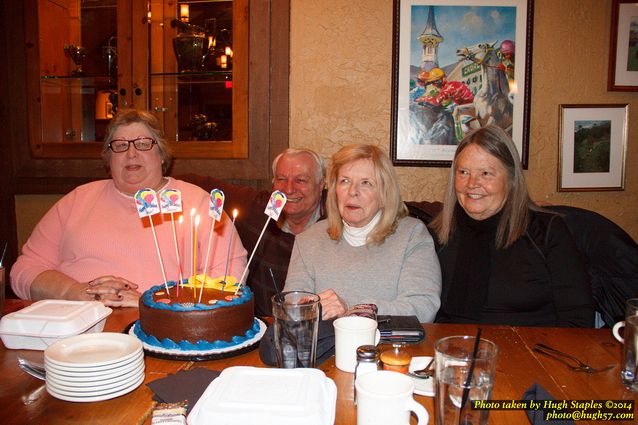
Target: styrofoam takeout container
x,y
44,322
250,395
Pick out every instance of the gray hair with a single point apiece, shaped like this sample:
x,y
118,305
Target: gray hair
x,y
320,169
515,217
131,116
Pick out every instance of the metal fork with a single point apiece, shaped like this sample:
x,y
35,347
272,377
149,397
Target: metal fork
x,y
565,358
32,368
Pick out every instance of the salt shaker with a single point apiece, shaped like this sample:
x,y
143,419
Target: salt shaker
x,y
367,361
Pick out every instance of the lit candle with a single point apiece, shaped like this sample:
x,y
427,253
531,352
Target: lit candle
x,y
228,51
223,61
183,12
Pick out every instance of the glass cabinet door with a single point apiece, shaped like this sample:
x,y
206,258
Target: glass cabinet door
x,y
198,74
186,61
77,69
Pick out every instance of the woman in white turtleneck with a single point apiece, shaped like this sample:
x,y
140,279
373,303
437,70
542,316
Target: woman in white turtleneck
x,y
368,250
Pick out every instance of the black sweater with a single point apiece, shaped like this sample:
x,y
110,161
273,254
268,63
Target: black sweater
x,y
537,281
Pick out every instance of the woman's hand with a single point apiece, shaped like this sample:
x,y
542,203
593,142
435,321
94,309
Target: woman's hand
x,y
332,305
114,291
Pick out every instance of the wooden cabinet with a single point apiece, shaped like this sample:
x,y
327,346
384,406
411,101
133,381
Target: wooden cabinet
x,y
93,57
68,110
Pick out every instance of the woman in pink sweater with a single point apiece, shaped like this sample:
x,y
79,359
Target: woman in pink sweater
x,y
93,245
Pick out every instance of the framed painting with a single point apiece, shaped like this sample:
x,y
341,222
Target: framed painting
x,y
458,65
593,146
623,49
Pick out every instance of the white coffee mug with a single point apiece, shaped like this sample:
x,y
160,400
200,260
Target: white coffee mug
x,y
350,333
385,397
631,309
615,330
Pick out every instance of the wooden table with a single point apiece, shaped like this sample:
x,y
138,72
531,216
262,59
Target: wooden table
x,y
24,399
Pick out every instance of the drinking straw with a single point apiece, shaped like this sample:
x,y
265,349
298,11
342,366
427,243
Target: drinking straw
x,y
4,251
277,291
468,381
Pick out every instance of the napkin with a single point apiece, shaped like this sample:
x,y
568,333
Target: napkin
x,y
537,392
184,385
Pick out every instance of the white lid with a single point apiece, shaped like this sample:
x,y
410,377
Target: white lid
x,y
243,394
54,318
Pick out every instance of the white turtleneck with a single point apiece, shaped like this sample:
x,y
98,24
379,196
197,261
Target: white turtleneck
x,y
358,236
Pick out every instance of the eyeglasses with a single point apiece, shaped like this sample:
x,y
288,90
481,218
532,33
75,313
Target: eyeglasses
x,y
141,144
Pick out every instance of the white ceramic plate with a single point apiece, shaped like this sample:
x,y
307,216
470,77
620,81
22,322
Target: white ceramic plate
x,y
97,389
93,371
87,380
87,399
95,383
422,386
93,350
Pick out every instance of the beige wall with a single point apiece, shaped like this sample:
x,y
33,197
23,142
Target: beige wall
x,y
340,82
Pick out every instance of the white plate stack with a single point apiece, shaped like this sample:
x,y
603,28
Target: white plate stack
x,y
94,367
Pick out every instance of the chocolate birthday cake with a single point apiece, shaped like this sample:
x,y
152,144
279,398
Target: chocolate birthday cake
x,y
220,319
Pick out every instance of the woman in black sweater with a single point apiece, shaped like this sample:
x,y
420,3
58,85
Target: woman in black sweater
x,y
504,260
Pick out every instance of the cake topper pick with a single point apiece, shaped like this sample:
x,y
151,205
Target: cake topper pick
x,y
147,206
215,210
171,203
230,243
273,210
197,219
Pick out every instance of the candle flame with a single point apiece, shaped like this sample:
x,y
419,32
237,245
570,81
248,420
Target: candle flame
x,y
180,220
234,214
193,211
197,220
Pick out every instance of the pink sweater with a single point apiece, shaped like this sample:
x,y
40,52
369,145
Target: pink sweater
x,y
95,230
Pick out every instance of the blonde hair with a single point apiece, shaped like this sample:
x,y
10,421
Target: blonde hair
x,y
131,116
515,212
393,208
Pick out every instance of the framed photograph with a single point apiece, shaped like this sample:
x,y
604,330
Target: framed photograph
x,y
458,65
593,146
623,50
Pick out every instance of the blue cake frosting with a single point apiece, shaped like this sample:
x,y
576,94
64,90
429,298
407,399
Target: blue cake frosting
x,y
201,345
